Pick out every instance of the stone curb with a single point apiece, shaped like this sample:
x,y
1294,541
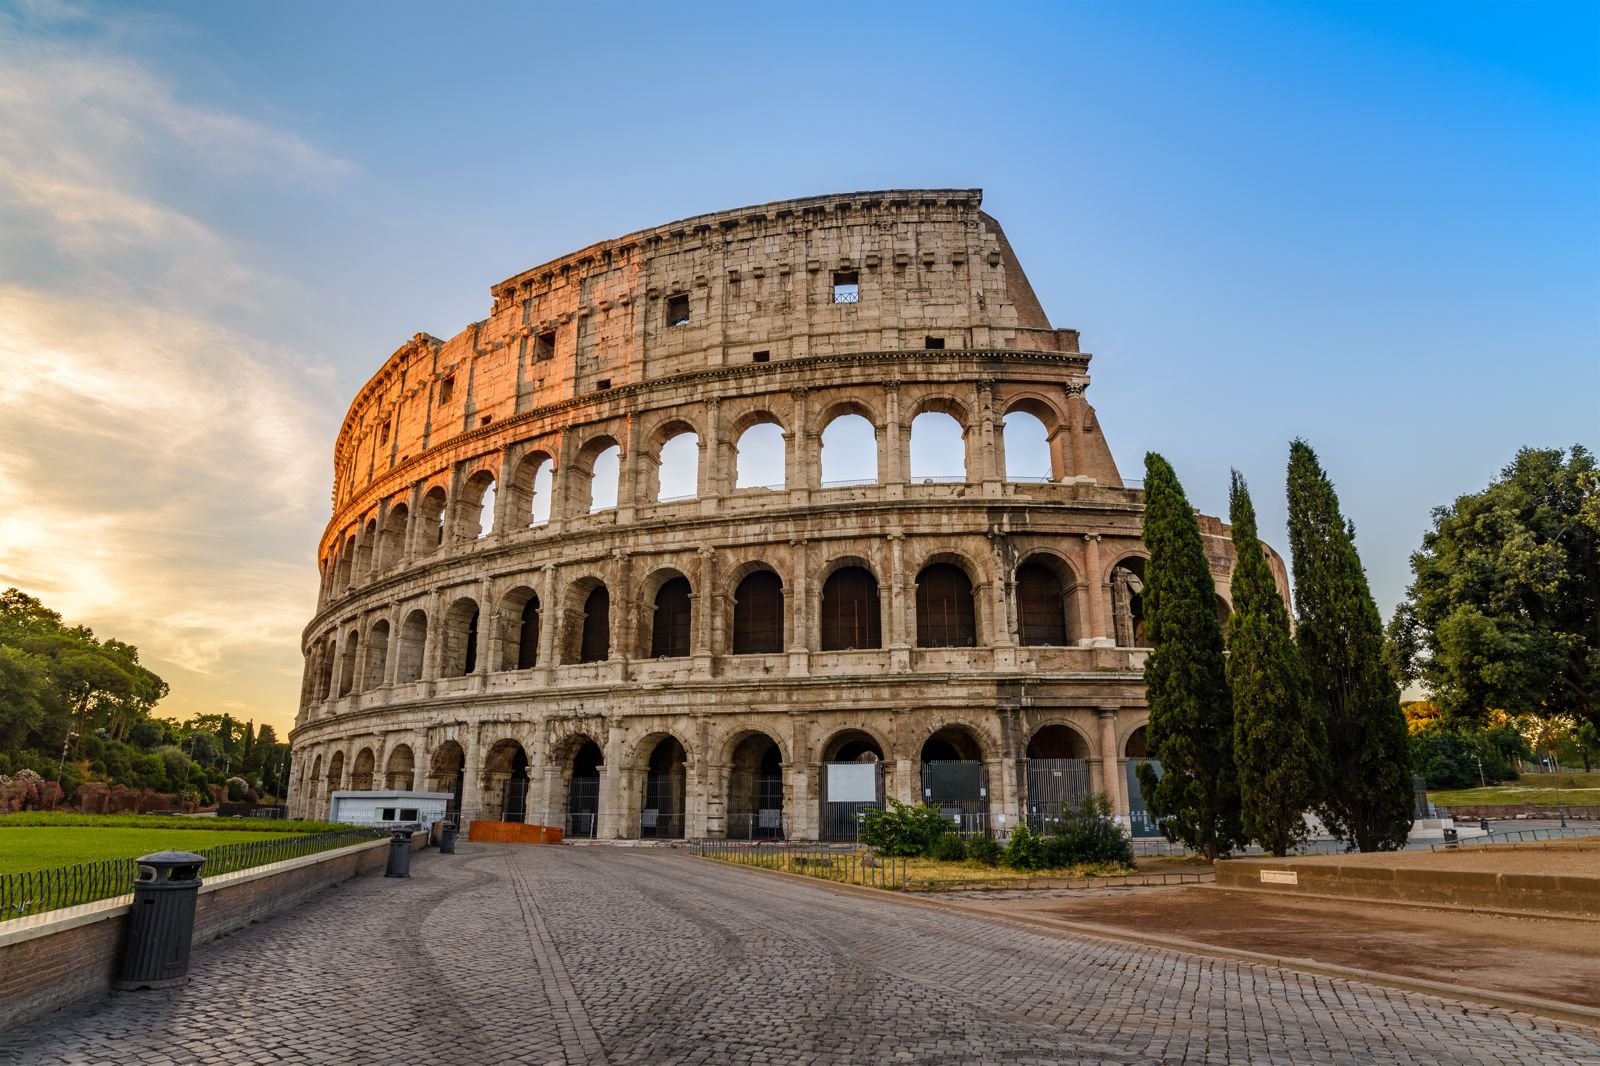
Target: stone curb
x,y
1566,1012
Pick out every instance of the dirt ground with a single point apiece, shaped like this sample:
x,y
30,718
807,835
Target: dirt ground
x,y
1543,957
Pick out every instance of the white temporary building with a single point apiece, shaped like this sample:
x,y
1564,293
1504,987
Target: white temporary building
x,y
389,808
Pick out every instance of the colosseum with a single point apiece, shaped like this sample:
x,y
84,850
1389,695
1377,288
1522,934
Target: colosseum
x,y
732,528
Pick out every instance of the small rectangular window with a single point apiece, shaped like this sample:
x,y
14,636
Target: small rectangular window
x,y
761,357
447,389
485,420
383,434
602,385
678,310
386,814
544,346
846,286
407,814
933,344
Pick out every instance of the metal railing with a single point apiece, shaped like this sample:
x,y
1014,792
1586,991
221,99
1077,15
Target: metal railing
x,y
1513,837
851,866
941,479
35,891
850,484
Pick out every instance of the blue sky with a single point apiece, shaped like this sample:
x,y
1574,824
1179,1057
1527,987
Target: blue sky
x,y
1374,226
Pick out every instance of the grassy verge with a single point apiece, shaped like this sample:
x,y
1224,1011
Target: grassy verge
x,y
168,821
45,847
1542,790
976,873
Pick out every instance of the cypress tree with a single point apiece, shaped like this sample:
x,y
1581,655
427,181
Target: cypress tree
x,y
1368,798
1196,797
1278,741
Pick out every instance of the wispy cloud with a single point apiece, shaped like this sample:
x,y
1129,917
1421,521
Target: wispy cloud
x,y
166,473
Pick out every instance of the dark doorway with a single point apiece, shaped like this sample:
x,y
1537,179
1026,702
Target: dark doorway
x,y
669,632
661,808
583,792
945,614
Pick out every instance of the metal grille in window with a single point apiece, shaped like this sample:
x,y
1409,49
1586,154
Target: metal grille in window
x,y
846,287
850,610
758,614
945,615
669,636
596,645
1041,611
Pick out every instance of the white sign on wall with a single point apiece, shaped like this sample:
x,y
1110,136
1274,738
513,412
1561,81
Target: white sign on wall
x,y
852,782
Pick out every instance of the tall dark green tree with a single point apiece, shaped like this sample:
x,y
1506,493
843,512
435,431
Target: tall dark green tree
x,y
1196,796
1341,640
1278,740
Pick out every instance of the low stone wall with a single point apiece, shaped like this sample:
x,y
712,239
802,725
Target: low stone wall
x,y
1495,886
1508,811
57,958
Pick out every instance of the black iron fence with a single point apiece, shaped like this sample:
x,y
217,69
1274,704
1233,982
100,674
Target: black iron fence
x,y
35,891
851,866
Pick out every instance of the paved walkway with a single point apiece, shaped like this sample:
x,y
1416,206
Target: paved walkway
x,y
505,954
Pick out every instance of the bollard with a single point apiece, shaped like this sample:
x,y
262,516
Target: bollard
x,y
399,854
447,838
1483,823
161,921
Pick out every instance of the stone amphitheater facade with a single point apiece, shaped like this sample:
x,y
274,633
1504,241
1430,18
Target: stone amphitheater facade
x,y
696,655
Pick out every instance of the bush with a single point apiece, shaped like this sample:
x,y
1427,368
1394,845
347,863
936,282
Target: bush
x,y
904,829
984,850
1025,850
1085,834
949,848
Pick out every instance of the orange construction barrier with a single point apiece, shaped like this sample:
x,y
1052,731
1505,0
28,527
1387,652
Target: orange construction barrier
x,y
512,833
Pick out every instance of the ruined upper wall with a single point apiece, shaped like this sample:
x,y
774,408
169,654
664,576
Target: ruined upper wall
x,y
928,263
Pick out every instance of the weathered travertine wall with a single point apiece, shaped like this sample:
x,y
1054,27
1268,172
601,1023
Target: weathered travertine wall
x,y
463,646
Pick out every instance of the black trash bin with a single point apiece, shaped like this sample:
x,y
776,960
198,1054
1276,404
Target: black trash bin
x,y
161,922
399,854
447,838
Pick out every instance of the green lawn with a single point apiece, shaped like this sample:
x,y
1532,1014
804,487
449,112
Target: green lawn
x,y
1539,789
43,847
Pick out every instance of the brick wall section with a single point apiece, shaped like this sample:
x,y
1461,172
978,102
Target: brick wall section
x,y
62,957
1554,894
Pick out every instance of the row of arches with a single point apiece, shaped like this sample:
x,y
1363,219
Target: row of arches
x,y
746,789
851,605
852,450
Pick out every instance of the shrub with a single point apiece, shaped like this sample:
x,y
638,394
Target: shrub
x,y
1025,850
904,829
1085,833
949,848
985,850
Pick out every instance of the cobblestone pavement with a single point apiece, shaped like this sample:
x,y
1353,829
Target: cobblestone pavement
x,y
620,955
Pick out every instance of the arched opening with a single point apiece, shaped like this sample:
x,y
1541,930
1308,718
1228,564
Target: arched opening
x,y
583,790
400,773
758,614
519,629
669,625
530,488
347,561
460,639
594,642
755,789
1044,604
678,473
446,772
430,520
1127,603
938,449
946,614
852,781
475,516
311,788
1137,752
361,773
661,806
760,458
1027,447
1058,773
392,541
1224,617
850,610
336,772
410,647
365,550
505,782
327,667
849,452
377,654
955,780
604,477
347,663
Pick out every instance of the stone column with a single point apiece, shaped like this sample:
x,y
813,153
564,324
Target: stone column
x,y
800,815
549,618
709,477
408,546
503,504
622,600
799,461
893,471
391,656
472,772
991,443
796,637
488,636
1095,610
703,605
1111,763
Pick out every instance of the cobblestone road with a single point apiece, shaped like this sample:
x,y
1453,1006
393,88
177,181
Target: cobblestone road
x,y
602,955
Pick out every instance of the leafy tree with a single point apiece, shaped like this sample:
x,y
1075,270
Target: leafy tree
x,y
1587,738
1503,612
1340,635
1196,796
1278,740
24,695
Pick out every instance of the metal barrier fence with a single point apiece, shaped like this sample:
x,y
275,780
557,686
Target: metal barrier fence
x,y
35,891
1520,836
846,865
